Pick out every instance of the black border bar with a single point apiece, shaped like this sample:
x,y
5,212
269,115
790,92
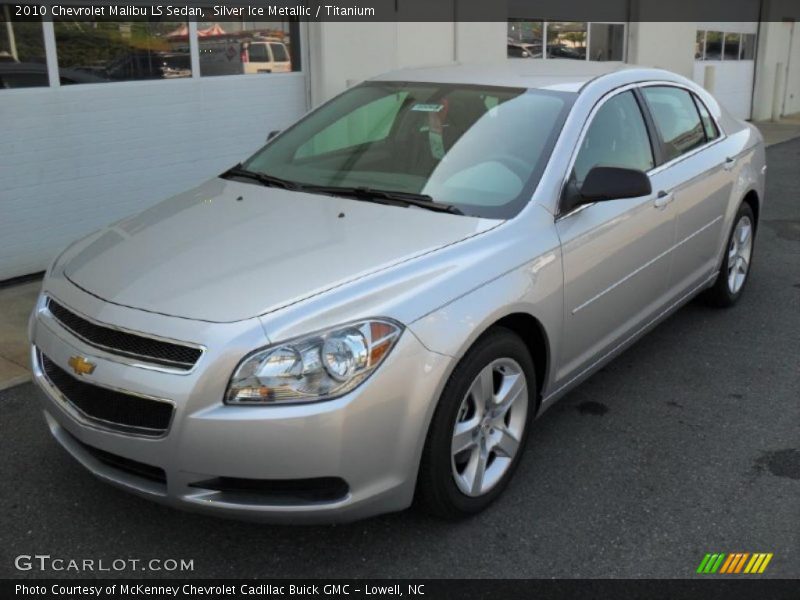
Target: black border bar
x,y
409,10
706,588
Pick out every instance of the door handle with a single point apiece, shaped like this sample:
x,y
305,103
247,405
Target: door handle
x,y
730,162
663,199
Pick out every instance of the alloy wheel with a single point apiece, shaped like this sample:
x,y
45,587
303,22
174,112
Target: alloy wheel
x,y
489,426
739,251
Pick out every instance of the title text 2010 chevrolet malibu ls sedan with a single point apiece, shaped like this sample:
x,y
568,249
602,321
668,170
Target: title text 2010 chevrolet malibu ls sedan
x,y
376,305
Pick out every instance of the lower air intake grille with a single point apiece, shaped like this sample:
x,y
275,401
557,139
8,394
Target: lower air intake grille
x,y
127,465
112,409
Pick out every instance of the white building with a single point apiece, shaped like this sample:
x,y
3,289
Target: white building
x,y
79,155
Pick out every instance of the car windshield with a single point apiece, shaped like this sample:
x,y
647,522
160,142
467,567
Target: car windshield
x,y
481,149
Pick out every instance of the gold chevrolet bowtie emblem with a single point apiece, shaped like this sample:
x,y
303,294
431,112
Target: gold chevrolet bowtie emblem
x,y
81,366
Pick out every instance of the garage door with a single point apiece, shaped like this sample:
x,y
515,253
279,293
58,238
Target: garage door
x,y
725,63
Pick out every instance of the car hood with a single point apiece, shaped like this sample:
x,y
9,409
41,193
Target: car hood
x,y
228,251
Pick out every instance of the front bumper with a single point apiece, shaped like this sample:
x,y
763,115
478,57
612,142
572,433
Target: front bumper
x,y
370,439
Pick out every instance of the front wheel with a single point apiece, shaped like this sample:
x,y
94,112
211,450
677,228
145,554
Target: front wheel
x,y
480,427
735,269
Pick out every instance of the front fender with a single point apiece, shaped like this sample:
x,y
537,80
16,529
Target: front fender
x,y
533,288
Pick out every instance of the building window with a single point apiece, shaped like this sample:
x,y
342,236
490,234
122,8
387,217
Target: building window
x,y
748,47
713,45
249,48
606,41
22,57
103,51
566,39
731,48
716,45
700,46
573,40
525,38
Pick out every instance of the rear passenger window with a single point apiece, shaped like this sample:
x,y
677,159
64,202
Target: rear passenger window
x,y
617,137
709,125
676,118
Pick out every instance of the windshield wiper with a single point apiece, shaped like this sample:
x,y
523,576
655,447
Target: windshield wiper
x,y
262,178
391,197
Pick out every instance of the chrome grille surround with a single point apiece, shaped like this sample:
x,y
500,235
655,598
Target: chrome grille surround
x,y
144,348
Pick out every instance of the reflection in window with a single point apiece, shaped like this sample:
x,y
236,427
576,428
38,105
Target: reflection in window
x,y
700,45
617,137
607,41
713,45
101,51
566,39
748,46
525,39
249,48
676,118
731,51
22,58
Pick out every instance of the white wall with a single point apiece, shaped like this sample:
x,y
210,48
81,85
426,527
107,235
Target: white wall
x,y
791,99
777,70
665,45
76,158
732,83
344,54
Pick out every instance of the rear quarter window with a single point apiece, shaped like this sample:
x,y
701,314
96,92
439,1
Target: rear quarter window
x,y
710,127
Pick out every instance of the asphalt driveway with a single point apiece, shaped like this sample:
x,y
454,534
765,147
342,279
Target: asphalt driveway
x,y
688,443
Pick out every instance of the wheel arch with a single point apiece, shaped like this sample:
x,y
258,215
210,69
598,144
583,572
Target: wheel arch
x,y
752,199
533,334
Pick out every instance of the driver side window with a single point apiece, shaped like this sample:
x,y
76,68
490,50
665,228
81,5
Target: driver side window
x,y
617,137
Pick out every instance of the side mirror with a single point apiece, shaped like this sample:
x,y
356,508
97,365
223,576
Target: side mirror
x,y
273,133
614,183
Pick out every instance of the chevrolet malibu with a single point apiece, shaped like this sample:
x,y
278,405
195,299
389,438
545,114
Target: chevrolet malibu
x,y
375,306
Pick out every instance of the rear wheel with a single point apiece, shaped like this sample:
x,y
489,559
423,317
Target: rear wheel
x,y
735,269
479,428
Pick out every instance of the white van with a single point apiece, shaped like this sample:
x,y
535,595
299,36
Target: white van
x,y
231,57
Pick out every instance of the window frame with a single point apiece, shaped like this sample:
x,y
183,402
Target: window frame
x,y
652,130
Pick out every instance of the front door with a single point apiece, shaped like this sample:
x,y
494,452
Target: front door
x,y
615,253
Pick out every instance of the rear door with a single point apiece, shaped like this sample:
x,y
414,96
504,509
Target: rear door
x,y
698,178
616,252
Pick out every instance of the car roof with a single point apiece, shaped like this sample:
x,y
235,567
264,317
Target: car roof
x,y
553,74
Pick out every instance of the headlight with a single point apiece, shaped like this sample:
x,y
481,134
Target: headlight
x,y
320,366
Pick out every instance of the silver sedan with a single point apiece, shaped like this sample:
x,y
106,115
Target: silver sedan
x,y
374,307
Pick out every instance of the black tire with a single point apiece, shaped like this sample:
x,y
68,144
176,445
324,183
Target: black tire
x,y
437,491
720,294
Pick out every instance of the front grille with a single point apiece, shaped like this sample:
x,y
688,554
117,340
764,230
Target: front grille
x,y
123,343
111,408
126,465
